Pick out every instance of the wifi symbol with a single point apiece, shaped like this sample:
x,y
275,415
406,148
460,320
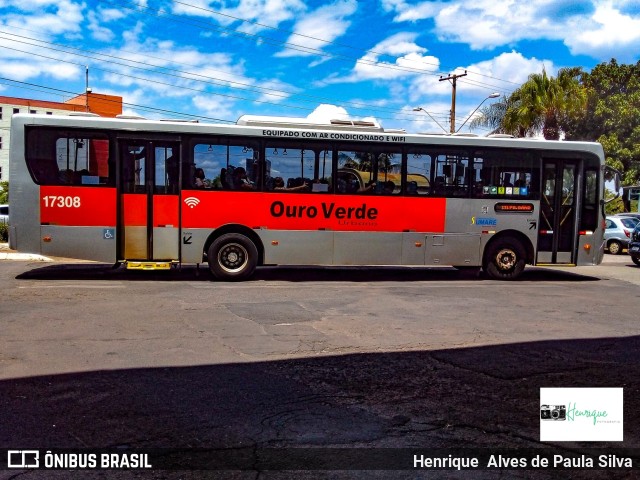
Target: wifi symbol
x,y
191,201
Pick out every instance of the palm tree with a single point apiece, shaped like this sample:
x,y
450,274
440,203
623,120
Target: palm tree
x,y
494,117
537,105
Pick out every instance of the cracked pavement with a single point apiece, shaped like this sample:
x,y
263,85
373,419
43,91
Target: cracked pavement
x,y
386,358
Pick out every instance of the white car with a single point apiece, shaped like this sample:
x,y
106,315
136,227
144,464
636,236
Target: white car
x,y
618,232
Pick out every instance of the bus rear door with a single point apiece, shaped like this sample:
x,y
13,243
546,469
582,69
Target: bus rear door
x,y
149,203
557,224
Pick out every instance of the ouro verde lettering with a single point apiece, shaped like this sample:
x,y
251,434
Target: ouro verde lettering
x,y
328,210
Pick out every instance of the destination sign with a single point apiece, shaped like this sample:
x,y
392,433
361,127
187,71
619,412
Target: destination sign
x,y
504,207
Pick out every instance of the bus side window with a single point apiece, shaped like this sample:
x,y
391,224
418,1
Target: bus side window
x,y
214,161
497,174
66,157
296,170
418,173
45,171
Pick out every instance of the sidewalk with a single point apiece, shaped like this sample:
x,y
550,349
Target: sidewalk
x,y
7,254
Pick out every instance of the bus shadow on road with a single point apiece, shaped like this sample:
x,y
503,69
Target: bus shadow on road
x,y
93,271
484,396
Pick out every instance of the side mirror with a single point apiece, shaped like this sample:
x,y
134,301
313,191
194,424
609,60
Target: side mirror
x,y
611,174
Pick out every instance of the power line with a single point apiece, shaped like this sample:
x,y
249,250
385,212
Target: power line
x,y
180,75
244,86
310,49
30,86
327,42
266,90
288,45
384,65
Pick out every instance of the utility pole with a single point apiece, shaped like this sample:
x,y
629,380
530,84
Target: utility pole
x,y
453,79
86,88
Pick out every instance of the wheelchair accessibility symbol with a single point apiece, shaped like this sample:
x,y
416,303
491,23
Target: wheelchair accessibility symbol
x,y
108,234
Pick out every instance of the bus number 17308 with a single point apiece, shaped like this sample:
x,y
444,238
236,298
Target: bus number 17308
x,y
61,201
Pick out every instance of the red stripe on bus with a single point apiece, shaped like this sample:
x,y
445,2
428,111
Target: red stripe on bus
x,y
290,211
134,210
165,210
78,206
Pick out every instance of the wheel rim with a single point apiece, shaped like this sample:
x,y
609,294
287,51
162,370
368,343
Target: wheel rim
x,y
614,248
506,260
233,257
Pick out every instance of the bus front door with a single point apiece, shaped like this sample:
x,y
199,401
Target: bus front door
x,y
149,203
557,224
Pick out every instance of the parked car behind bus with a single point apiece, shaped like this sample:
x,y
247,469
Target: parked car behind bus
x,y
618,232
634,245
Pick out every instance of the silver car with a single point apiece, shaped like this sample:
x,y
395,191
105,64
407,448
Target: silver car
x,y
618,232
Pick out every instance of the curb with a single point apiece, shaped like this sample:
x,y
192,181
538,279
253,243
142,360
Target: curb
x,y
24,256
7,254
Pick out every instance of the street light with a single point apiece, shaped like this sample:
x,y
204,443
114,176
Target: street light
x,y
493,95
420,109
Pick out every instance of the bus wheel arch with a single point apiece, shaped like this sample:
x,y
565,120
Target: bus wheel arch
x,y
506,254
233,252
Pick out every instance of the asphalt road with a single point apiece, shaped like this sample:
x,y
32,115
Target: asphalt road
x,y
360,358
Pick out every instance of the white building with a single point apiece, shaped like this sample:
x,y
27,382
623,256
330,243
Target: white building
x,y
103,105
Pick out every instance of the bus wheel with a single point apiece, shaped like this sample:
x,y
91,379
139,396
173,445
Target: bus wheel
x,y
505,259
232,257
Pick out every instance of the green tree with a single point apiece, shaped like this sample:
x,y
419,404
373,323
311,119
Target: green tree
x,y
538,105
611,116
4,192
542,101
493,117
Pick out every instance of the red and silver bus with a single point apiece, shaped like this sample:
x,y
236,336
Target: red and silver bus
x,y
278,191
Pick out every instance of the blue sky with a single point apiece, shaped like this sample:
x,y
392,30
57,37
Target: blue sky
x,y
216,60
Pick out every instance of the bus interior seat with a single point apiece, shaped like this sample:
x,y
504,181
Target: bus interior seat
x,y
269,184
227,184
223,178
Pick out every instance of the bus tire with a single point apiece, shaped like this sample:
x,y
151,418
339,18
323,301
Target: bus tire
x,y
232,257
505,259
